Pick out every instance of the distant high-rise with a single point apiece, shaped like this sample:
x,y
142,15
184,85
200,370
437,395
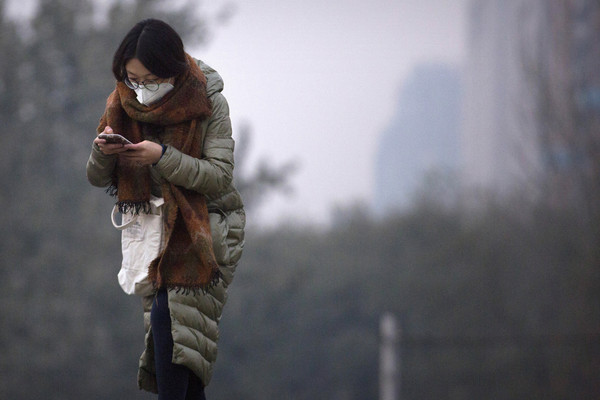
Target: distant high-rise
x,y
422,136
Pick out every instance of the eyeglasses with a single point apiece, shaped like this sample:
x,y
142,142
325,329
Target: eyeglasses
x,y
151,85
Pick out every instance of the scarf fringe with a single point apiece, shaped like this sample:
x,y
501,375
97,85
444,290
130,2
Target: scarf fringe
x,y
112,190
195,290
125,207
134,207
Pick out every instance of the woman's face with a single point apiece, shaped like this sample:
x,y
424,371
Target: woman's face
x,y
137,73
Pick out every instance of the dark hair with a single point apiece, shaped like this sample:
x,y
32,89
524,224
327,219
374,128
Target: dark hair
x,y
158,47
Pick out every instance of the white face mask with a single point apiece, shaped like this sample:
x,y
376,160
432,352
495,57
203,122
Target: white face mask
x,y
148,97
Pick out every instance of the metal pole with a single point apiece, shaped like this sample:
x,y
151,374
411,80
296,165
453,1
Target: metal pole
x,y
389,364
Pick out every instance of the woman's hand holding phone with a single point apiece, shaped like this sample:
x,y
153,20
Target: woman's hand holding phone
x,y
110,143
143,153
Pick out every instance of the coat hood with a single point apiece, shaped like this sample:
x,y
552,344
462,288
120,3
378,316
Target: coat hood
x,y
214,82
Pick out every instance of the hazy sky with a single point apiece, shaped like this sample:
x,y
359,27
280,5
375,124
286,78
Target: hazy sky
x,y
319,80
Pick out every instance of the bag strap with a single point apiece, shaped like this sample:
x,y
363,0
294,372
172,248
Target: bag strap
x,y
114,212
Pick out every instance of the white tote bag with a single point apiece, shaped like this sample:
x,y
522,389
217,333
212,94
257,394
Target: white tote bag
x,y
141,242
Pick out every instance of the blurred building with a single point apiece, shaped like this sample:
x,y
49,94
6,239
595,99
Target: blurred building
x,y
422,137
532,93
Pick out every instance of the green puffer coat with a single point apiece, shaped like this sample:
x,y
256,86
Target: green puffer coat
x,y
194,318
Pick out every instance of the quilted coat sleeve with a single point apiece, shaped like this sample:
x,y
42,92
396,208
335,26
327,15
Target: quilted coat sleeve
x,y
99,168
213,173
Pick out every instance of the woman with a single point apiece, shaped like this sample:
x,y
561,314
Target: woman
x,y
171,108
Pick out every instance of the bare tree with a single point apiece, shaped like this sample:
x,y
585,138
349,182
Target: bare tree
x,y
561,62
256,184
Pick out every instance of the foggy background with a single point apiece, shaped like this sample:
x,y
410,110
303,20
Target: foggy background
x,y
436,162
320,81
